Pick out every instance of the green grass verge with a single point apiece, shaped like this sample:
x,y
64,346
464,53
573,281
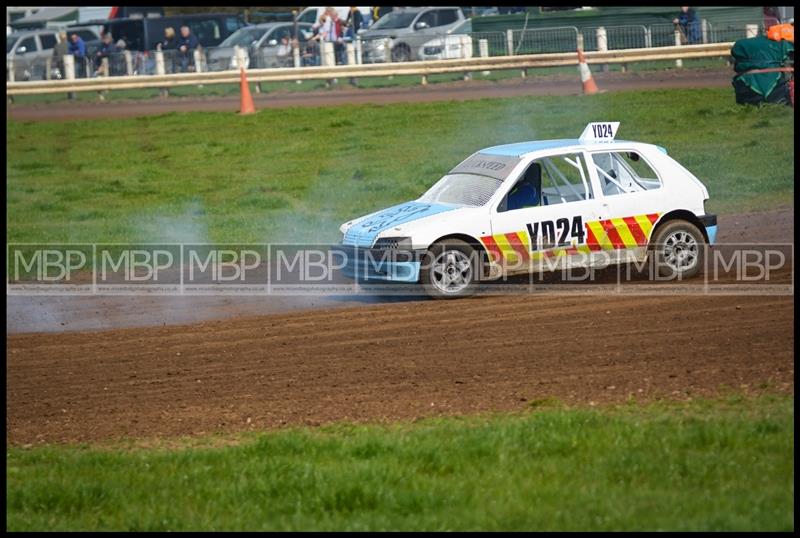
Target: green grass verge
x,y
405,81
295,174
712,465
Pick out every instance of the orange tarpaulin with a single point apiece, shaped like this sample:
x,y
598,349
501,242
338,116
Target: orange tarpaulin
x,y
781,31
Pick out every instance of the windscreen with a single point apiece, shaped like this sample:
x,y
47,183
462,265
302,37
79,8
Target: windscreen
x,y
462,189
395,20
484,164
243,37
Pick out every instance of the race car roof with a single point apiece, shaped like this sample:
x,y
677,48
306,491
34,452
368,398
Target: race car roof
x,y
521,148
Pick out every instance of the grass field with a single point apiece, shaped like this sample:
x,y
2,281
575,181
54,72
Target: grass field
x,y
705,465
296,174
218,90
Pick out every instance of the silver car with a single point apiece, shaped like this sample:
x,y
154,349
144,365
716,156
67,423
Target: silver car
x,y
419,33
265,45
29,52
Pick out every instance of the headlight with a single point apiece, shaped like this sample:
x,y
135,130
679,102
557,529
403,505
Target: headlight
x,y
430,51
393,243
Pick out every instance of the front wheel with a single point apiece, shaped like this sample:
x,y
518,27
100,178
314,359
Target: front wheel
x,y
401,53
678,250
449,270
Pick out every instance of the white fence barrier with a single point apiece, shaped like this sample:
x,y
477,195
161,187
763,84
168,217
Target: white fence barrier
x,y
421,68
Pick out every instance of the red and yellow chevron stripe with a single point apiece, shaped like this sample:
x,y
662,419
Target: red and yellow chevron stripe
x,y
609,234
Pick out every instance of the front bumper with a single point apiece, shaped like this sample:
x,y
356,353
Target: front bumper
x,y
709,222
387,265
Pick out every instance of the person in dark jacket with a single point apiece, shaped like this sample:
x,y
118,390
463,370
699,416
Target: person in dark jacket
x,y
187,43
169,46
106,50
689,24
354,22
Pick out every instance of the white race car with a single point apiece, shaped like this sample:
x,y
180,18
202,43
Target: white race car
x,y
538,206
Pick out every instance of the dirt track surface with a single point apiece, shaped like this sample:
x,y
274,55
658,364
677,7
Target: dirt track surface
x,y
399,361
387,363
457,91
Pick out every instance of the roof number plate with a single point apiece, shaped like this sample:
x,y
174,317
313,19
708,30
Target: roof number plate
x,y
604,131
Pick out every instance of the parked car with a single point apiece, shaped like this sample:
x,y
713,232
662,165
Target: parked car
x,y
29,52
210,29
535,207
418,33
262,44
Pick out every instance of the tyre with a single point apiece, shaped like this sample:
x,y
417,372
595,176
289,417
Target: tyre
x,y
450,270
678,250
401,53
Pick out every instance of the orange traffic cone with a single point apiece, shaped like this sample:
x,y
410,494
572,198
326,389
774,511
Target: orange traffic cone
x,y
589,87
247,106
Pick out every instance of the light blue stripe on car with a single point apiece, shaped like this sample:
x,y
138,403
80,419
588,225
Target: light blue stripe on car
x,y
363,233
521,148
712,234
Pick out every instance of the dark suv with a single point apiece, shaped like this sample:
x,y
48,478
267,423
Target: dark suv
x,y
143,34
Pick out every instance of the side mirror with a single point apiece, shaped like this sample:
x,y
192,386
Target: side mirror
x,y
272,42
421,25
21,50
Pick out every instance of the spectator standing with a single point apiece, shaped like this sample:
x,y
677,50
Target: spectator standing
x,y
59,51
336,35
187,44
354,22
321,31
106,50
77,48
689,25
169,47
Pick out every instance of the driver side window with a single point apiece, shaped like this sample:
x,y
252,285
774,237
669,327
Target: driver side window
x,y
429,18
526,192
29,45
557,179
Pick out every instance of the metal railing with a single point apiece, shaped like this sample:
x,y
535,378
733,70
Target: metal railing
x,y
420,68
545,40
365,50
616,37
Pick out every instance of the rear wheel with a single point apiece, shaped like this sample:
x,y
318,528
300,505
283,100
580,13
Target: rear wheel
x,y
401,53
678,250
449,270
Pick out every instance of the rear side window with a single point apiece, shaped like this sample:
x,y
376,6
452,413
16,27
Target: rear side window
x,y
623,172
48,41
232,24
207,31
447,16
132,32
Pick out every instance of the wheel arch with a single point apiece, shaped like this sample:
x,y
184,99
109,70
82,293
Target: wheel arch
x,y
679,214
473,242
402,45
